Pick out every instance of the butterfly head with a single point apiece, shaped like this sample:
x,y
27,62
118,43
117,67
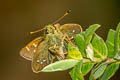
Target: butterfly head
x,y
50,28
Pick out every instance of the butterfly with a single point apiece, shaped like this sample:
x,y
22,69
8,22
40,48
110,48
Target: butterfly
x,y
45,50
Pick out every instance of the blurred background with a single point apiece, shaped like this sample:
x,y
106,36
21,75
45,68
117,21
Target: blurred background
x,y
19,17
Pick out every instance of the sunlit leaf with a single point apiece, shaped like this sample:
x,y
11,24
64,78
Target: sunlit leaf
x,y
110,71
60,65
99,47
73,52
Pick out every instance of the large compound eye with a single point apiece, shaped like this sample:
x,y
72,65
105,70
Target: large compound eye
x,y
46,31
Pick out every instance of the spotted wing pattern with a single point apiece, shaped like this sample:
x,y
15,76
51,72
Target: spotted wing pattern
x,y
41,57
70,29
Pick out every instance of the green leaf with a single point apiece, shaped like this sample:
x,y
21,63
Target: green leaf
x,y
86,67
76,73
117,40
80,42
99,47
60,65
110,43
89,32
110,71
98,71
113,43
73,52
83,39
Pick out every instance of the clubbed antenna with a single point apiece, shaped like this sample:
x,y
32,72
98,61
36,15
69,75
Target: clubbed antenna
x,y
66,13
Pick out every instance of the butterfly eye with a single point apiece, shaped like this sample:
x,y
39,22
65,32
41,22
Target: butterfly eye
x,y
46,31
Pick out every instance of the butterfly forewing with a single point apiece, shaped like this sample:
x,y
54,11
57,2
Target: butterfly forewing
x,y
41,57
28,51
70,29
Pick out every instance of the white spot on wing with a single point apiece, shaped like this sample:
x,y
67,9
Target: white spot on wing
x,y
73,31
38,61
41,62
44,60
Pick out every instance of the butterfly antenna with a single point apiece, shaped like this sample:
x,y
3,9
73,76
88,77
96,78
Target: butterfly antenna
x,y
66,13
37,30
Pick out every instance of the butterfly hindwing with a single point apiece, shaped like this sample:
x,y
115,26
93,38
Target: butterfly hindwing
x,y
28,51
70,29
41,57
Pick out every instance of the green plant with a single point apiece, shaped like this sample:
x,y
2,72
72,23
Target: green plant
x,y
91,53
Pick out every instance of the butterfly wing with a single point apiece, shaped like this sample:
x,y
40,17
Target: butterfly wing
x,y
41,57
70,29
28,51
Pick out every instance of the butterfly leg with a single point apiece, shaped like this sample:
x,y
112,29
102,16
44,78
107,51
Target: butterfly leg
x,y
52,60
68,39
57,52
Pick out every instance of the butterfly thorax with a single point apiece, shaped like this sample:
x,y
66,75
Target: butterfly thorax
x,y
55,40
53,36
